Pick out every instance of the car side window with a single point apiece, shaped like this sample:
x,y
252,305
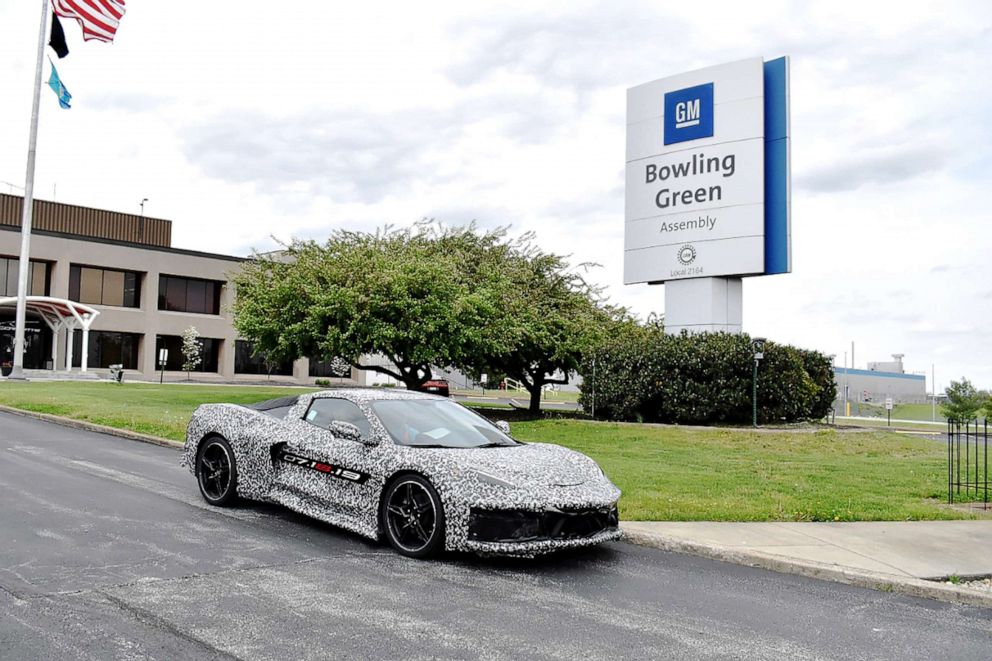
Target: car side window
x,y
325,410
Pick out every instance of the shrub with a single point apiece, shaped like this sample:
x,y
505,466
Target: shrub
x,y
323,383
703,378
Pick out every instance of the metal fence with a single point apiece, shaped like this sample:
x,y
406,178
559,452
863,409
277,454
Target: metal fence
x,y
968,462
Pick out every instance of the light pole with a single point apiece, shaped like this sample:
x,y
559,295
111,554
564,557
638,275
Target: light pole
x,y
759,347
833,405
141,221
594,388
933,392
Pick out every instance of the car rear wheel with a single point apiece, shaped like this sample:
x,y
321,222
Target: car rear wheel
x,y
217,472
413,517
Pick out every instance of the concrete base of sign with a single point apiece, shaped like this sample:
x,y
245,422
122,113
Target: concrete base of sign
x,y
704,304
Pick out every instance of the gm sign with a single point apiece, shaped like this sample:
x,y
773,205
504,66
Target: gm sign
x,y
689,114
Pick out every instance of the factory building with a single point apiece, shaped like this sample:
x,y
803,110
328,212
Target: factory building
x,y
882,380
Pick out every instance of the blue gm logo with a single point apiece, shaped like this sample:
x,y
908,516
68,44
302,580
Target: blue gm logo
x,y
689,114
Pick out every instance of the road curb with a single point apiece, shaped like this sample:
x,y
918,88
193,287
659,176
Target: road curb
x,y
92,426
914,587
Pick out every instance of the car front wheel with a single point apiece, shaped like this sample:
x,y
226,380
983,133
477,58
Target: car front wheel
x,y
413,517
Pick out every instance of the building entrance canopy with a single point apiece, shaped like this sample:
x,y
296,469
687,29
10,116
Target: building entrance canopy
x,y
60,314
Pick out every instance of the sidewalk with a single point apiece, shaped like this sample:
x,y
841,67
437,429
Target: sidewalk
x,y
902,556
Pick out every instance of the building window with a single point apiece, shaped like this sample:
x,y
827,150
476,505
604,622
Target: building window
x,y
210,348
188,294
247,362
96,286
337,368
38,277
107,348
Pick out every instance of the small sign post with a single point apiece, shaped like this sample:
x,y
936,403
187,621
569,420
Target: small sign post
x,y
483,378
888,410
163,358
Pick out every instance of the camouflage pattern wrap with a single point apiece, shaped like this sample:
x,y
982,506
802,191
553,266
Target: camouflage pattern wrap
x,y
532,477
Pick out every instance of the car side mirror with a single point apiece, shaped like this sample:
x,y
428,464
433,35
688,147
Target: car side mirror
x,y
348,432
503,426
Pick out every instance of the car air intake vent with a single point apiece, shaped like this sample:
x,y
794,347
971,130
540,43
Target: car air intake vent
x,y
524,526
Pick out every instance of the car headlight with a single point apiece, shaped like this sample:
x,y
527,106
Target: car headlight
x,y
493,480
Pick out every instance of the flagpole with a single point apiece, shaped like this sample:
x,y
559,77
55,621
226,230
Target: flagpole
x,y
17,371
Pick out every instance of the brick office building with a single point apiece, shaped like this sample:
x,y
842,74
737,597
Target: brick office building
x,y
115,281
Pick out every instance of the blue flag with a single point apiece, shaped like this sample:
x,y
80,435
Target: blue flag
x,y
60,91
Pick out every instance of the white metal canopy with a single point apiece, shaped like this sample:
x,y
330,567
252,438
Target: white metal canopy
x,y
59,314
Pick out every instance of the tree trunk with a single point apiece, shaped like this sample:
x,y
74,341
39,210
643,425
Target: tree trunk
x,y
535,398
409,377
413,383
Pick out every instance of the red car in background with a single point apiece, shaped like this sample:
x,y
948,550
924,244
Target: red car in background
x,y
436,387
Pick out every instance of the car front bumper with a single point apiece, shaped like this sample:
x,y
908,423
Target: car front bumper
x,y
540,547
532,531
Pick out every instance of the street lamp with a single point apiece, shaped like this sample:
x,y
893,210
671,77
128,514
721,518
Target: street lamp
x,y
835,403
758,343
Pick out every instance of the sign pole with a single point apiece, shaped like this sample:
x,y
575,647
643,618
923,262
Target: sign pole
x,y
163,358
17,370
754,395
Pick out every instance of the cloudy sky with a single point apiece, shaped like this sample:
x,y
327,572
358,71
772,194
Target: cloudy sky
x,y
241,126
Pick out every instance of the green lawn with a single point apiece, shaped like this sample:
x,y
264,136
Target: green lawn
x,y
671,473
160,410
921,412
571,396
881,423
666,473
916,412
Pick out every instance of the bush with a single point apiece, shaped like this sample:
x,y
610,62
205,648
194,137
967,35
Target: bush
x,y
323,383
645,375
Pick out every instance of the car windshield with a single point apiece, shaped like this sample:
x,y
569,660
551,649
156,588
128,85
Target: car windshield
x,y
438,424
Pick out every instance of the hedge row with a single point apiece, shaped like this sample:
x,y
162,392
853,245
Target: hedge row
x,y
642,374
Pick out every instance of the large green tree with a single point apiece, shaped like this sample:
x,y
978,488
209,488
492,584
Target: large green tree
x,y
963,401
421,297
552,316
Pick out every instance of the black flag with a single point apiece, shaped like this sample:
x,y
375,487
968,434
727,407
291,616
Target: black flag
x,y
57,41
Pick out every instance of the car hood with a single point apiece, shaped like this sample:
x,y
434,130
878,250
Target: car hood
x,y
532,464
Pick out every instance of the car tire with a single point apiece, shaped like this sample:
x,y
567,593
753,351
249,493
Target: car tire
x,y
412,517
217,472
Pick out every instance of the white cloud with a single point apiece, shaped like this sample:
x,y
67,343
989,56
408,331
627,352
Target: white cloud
x,y
243,126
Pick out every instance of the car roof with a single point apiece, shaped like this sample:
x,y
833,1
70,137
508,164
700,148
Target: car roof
x,y
375,394
280,406
277,403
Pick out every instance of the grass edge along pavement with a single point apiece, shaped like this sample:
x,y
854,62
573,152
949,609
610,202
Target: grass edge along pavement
x,y
93,427
665,472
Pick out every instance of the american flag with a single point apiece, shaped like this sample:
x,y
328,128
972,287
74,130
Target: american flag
x,y
98,18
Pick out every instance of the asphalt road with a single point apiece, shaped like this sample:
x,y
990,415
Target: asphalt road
x,y
107,551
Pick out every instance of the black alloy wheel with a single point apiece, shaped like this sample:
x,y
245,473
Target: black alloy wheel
x,y
413,518
217,472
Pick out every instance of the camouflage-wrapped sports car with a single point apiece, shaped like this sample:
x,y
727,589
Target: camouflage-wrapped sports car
x,y
420,470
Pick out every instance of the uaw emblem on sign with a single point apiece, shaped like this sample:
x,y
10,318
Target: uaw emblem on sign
x,y
687,255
